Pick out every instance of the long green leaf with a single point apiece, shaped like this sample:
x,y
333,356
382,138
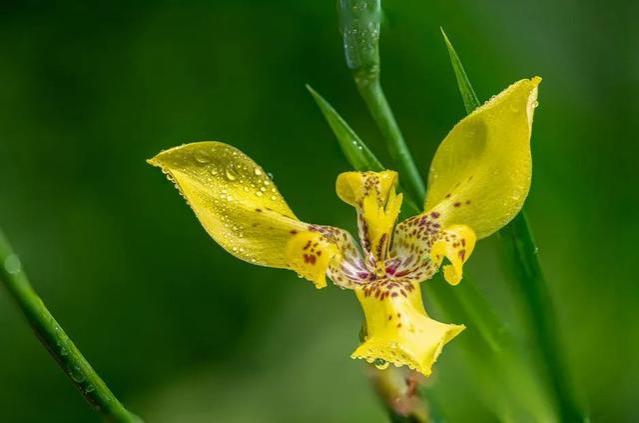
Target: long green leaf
x,y
532,286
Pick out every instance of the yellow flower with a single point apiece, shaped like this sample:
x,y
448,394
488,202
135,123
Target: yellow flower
x,y
478,181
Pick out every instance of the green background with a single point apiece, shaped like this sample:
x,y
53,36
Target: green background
x,y
181,330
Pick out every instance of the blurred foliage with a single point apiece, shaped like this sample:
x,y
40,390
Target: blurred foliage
x,y
181,330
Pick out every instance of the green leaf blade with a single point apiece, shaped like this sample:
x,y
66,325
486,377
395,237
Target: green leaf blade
x,y
356,152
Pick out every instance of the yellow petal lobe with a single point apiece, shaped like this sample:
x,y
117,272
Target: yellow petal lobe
x,y
456,243
378,206
398,330
234,199
309,253
481,172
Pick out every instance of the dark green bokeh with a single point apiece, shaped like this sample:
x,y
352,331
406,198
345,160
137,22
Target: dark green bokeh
x,y
181,330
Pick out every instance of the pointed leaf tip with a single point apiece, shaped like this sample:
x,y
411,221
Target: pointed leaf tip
x,y
471,102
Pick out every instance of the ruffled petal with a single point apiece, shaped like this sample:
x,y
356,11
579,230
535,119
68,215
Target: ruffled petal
x,y
398,329
242,210
480,175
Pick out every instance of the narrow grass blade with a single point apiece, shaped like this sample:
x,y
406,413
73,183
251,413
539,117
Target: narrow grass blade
x,y
530,281
356,152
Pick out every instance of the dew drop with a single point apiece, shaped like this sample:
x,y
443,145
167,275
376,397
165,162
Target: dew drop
x,y
258,193
12,264
76,374
381,364
230,174
535,104
257,171
201,158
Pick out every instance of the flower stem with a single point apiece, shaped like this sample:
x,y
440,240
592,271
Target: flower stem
x,y
56,341
398,390
360,29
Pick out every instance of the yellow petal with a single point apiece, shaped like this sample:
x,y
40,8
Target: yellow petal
x,y
480,175
242,210
398,330
373,195
456,243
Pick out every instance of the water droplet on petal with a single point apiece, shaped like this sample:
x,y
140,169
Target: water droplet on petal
x,y
201,157
381,364
257,171
230,174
